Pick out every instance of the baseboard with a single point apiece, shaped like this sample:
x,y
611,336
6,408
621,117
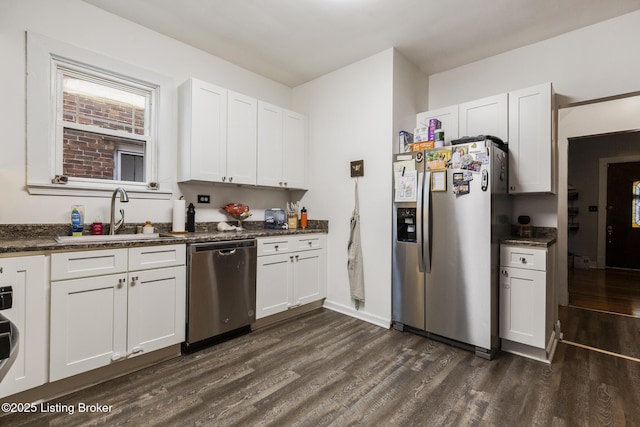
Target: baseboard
x,y
358,314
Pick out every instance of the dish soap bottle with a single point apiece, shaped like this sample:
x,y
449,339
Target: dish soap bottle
x,y
77,213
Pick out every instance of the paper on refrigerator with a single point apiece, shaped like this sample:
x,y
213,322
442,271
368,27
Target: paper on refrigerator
x,y
406,181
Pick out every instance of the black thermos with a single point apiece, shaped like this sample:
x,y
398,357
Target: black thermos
x,y
191,218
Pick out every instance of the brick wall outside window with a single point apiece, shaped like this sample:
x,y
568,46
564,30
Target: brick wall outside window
x,y
91,155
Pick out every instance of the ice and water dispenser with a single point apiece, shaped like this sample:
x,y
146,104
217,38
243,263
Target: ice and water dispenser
x,y
406,225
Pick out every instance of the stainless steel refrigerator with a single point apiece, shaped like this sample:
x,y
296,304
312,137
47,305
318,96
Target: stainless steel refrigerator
x,y
450,210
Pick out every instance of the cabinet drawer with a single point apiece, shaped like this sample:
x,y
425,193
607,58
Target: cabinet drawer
x,y
523,257
274,245
147,257
72,265
309,242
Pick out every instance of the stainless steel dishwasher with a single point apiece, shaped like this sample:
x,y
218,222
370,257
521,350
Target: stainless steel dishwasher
x,y
221,291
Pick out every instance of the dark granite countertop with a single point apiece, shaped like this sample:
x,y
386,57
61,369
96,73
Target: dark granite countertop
x,y
538,236
543,242
42,238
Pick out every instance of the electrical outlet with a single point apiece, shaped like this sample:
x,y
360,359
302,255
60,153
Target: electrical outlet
x,y
593,208
204,198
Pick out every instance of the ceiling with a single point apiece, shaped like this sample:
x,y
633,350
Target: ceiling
x,y
295,41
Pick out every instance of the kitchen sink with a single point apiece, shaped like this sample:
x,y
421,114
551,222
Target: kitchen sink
x,y
105,238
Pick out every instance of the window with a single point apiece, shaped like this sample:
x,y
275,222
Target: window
x,y
93,123
100,119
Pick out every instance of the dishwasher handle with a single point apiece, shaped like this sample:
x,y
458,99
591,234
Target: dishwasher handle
x,y
226,252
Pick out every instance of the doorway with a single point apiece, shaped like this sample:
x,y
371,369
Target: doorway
x,y
602,236
595,300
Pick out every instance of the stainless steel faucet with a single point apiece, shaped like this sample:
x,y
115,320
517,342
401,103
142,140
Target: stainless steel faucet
x,y
124,197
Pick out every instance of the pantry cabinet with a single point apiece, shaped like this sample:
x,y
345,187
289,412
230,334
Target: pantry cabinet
x,y
290,273
531,140
528,309
282,147
26,279
110,305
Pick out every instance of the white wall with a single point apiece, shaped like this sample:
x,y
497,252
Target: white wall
x,y
80,24
350,118
409,95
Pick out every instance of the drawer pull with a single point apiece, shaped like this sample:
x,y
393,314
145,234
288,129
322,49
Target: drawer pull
x,y
523,260
115,356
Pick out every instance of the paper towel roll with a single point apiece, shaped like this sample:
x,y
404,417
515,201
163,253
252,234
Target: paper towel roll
x,y
179,211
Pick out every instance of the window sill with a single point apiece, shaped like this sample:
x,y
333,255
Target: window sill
x,y
106,190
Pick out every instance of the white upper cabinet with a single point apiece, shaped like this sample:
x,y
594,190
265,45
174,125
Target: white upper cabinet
x,y
227,137
242,129
269,145
448,117
294,148
202,147
531,140
281,147
486,116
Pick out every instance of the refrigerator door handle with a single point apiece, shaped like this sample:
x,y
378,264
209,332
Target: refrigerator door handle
x,y
426,239
419,216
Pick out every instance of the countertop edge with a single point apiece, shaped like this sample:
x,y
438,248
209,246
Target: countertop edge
x,y
49,244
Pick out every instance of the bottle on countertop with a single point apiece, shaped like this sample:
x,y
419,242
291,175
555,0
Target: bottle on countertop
x,y
77,216
191,218
96,226
303,217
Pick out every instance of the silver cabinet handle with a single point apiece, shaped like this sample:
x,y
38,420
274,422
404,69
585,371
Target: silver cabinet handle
x,y
115,356
230,178
136,349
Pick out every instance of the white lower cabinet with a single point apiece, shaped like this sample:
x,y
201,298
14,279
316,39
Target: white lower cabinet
x,y
528,310
100,319
27,280
290,273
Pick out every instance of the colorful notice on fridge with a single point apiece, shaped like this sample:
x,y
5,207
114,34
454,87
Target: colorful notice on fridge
x,y
406,188
438,159
460,185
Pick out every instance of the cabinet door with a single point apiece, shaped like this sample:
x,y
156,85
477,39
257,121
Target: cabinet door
x,y
156,309
273,284
26,276
448,117
522,306
203,131
88,324
294,150
487,116
308,277
242,134
269,145
531,140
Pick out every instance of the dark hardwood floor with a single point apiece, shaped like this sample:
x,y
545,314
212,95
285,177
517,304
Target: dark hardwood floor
x,y
327,369
612,290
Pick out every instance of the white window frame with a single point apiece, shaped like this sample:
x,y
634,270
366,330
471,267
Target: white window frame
x,y
44,142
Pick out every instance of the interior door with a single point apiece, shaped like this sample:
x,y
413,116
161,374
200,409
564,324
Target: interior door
x,y
623,215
